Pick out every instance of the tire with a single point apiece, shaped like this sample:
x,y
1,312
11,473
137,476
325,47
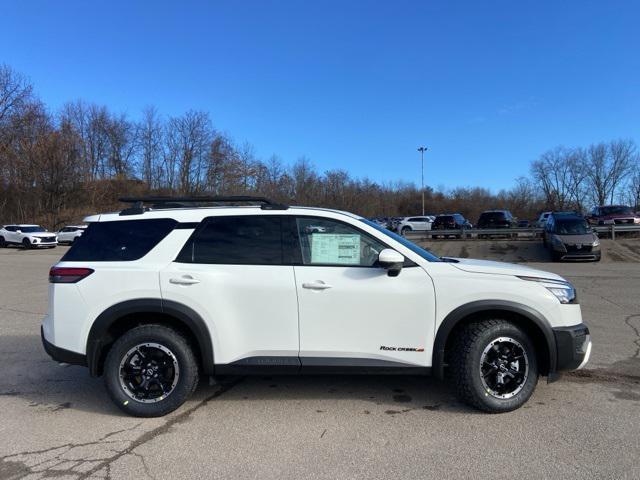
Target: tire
x,y
468,350
151,339
26,244
404,231
3,243
555,257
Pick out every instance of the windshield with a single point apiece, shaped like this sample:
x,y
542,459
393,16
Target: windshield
x,y
616,210
31,229
410,245
572,227
489,216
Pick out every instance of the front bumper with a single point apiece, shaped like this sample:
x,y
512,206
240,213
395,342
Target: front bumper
x,y
573,346
60,354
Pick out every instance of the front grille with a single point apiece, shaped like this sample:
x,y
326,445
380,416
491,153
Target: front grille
x,y
575,249
623,221
48,239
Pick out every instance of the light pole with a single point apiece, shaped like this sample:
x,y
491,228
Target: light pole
x,y
422,150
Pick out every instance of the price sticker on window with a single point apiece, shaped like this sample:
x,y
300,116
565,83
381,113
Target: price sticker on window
x,y
335,248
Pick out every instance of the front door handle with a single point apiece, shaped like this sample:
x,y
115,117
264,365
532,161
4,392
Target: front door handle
x,y
317,285
184,280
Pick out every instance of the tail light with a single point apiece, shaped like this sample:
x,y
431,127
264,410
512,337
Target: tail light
x,y
68,274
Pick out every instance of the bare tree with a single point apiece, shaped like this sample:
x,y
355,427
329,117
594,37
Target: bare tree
x,y
553,174
606,166
150,137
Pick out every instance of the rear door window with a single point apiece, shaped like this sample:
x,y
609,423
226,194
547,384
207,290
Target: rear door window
x,y
122,241
242,240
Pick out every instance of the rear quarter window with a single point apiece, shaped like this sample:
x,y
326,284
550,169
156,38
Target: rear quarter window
x,y
123,241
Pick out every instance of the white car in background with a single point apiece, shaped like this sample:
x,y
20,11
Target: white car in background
x,y
69,233
415,224
542,219
28,236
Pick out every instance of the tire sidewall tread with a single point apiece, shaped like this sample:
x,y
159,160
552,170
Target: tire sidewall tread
x,y
465,358
180,347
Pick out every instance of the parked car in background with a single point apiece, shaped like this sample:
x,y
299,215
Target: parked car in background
x,y
70,233
496,219
613,214
524,224
414,224
542,219
491,219
570,237
27,236
453,221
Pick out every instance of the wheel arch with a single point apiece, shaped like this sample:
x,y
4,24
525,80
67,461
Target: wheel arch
x,y
121,317
532,321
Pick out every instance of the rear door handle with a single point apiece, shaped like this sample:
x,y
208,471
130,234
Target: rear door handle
x,y
184,280
317,285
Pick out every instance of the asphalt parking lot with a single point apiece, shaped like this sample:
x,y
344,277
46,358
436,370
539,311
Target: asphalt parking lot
x,y
56,421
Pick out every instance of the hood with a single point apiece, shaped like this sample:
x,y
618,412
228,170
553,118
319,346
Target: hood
x,y
41,234
586,239
500,268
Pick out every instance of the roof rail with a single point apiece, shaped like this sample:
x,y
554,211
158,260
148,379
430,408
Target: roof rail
x,y
159,202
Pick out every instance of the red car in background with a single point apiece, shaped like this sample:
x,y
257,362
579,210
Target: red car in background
x,y
613,214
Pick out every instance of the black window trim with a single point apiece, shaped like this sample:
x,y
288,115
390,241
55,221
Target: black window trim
x,y
290,242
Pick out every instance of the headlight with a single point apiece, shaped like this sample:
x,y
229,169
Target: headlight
x,y
562,290
565,294
596,243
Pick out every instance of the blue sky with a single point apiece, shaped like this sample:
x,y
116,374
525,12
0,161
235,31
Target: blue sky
x,y
486,85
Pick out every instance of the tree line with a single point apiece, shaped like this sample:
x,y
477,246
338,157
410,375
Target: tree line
x,y
56,167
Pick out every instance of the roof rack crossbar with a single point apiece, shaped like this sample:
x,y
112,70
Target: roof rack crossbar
x,y
159,202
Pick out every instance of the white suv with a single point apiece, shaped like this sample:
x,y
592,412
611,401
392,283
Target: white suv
x,y
414,224
70,233
153,298
28,236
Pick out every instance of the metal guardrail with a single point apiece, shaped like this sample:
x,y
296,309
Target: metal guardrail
x,y
531,232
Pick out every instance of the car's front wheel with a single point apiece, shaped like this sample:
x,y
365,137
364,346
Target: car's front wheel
x,y
26,243
494,365
405,230
150,371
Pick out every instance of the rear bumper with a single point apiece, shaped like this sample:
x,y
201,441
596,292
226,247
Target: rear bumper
x,y
573,346
62,355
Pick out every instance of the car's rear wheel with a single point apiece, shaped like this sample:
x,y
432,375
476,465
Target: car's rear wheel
x,y
150,371
3,242
494,365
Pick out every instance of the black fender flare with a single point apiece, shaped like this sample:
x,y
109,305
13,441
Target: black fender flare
x,y
463,311
185,315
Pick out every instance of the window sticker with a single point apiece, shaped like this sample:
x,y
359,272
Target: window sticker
x,y
335,248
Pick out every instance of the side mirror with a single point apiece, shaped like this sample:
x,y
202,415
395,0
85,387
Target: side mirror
x,y
18,231
391,260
